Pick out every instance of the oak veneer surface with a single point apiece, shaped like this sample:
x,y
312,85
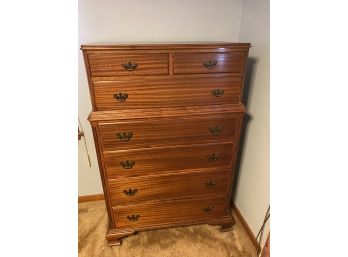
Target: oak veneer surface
x,y
167,91
225,46
166,121
169,212
169,159
101,117
111,64
232,62
170,131
168,186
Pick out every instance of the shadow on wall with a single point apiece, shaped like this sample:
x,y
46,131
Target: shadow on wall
x,y
247,117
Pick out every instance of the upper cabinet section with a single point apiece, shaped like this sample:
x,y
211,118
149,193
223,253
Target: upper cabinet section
x,y
165,75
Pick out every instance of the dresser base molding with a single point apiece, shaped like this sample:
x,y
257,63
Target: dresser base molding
x,y
115,236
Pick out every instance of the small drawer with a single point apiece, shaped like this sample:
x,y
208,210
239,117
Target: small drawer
x,y
166,91
138,162
113,64
162,187
187,63
169,213
169,132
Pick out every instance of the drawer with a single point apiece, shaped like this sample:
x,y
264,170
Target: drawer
x,y
180,185
114,64
168,159
169,131
167,91
169,213
185,63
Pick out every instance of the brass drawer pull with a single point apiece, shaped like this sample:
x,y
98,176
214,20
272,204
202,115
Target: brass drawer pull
x,y
216,130
124,136
133,217
217,92
213,157
210,183
127,164
130,192
208,209
121,97
130,66
209,64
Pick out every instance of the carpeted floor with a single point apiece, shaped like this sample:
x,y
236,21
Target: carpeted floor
x,y
193,241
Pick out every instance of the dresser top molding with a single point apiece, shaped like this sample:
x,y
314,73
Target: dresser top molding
x,y
162,45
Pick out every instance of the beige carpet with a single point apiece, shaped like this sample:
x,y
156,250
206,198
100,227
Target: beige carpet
x,y
193,241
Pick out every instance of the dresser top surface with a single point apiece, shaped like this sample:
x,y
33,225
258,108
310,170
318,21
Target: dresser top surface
x,y
162,45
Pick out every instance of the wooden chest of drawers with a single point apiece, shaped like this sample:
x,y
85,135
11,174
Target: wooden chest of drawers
x,y
166,121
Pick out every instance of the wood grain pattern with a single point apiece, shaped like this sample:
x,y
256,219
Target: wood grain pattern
x,y
186,63
103,64
170,131
169,186
167,91
103,177
169,108
168,159
89,78
170,212
165,112
196,46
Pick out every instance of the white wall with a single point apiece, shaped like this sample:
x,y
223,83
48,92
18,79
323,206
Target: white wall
x,y
252,193
140,20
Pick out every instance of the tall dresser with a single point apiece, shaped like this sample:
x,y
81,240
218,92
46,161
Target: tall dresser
x,y
166,122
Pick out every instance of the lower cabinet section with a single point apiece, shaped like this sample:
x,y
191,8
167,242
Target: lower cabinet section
x,y
140,216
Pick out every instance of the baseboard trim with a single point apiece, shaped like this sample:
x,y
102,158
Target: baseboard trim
x,y
246,227
89,198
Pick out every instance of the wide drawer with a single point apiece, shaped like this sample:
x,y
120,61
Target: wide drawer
x,y
167,91
180,185
168,159
186,63
115,64
169,131
169,213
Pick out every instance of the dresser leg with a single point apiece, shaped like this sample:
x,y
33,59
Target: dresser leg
x,y
226,227
114,236
115,242
226,223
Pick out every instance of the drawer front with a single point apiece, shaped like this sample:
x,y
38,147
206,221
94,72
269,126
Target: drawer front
x,y
181,185
169,213
143,92
170,131
113,64
186,63
168,159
